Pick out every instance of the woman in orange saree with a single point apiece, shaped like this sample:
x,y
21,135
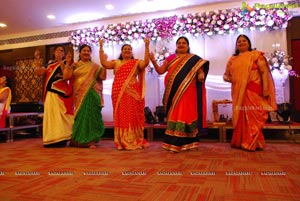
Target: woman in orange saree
x,y
128,91
253,95
184,98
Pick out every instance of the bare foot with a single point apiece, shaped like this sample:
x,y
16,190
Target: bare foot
x,y
92,145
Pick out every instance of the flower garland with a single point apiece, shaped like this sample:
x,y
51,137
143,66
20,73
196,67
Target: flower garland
x,y
212,22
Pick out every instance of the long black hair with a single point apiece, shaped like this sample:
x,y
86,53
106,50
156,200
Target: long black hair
x,y
8,82
237,52
83,46
121,57
57,46
186,40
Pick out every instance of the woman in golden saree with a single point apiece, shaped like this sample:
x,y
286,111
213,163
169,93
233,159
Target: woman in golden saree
x,y
128,91
184,97
253,94
88,125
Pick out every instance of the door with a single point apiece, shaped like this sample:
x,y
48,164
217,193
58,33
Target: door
x,y
295,47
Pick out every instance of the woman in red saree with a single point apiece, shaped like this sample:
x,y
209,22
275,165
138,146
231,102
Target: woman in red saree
x,y
253,94
184,97
5,99
128,91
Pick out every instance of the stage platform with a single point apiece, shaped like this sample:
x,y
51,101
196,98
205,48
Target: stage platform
x,y
216,131
222,132
290,130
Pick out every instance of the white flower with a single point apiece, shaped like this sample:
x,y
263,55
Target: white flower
x,y
280,63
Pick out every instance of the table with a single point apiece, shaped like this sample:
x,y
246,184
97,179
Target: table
x,y
7,132
13,127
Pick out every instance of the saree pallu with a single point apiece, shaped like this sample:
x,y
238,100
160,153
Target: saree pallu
x,y
5,108
128,104
88,124
185,103
250,108
58,106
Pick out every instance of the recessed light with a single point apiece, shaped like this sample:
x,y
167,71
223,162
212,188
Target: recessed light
x,y
51,17
83,17
109,7
3,25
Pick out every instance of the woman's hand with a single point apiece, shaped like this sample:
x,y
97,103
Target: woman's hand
x,y
69,59
266,93
147,42
226,78
37,58
151,56
101,42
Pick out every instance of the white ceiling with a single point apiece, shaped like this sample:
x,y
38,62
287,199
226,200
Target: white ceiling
x,y
30,15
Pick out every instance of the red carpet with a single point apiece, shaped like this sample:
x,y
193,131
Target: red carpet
x,y
30,172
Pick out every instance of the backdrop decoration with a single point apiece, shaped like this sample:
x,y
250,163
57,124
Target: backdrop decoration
x,y
210,23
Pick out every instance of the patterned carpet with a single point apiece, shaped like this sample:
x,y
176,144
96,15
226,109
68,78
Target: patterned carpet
x,y
215,172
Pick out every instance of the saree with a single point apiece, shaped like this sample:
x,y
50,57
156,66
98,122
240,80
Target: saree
x,y
88,124
250,108
185,103
128,105
4,107
58,106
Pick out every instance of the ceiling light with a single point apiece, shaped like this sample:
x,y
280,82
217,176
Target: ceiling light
x,y
3,25
109,7
83,17
51,17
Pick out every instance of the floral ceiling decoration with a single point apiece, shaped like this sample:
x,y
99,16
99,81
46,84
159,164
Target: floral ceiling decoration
x,y
209,23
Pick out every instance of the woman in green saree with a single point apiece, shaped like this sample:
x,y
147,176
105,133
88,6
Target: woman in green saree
x,y
88,125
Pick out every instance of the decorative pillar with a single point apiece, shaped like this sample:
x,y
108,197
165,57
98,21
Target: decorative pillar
x,y
279,78
161,88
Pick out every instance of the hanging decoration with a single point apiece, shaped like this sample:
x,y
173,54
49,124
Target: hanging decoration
x,y
210,23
